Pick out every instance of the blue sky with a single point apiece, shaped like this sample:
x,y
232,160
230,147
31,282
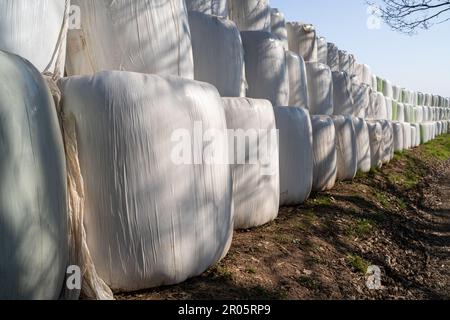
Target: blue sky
x,y
419,62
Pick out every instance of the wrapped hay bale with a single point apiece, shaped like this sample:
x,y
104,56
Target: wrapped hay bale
x,y
416,126
322,50
388,141
376,143
332,56
345,63
324,153
218,53
33,209
413,136
303,40
396,93
362,144
320,89
255,163
377,107
346,148
400,112
361,99
296,154
161,211
278,27
265,67
398,136
42,41
387,89
250,15
211,7
389,109
367,78
342,94
298,84
407,141
147,36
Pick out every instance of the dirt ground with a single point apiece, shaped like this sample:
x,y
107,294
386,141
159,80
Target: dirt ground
x,y
396,218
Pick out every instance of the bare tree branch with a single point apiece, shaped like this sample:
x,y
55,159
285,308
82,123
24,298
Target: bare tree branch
x,y
408,16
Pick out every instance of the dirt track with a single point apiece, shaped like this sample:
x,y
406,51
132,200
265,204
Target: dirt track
x,y
397,219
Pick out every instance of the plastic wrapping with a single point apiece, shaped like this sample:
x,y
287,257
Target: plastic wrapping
x,y
218,53
298,84
376,143
398,136
345,62
417,140
387,89
342,94
407,141
389,109
396,93
152,217
359,72
256,193
362,144
212,7
265,65
324,153
333,56
33,210
377,107
322,50
250,15
296,154
278,27
320,89
413,136
367,79
388,141
400,112
36,30
361,99
148,36
346,148
303,40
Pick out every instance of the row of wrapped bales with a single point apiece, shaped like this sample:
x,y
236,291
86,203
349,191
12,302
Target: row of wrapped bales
x,y
303,40
33,210
296,154
108,39
218,53
24,32
255,195
211,7
250,15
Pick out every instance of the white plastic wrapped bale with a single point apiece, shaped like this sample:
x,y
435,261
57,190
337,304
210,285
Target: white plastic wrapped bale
x,y
298,83
387,89
333,56
374,83
320,88
322,50
256,190
361,99
362,144
359,72
420,99
426,132
278,27
344,62
303,40
388,141
324,153
389,111
418,114
296,154
428,100
218,53
377,107
409,113
33,211
367,78
346,148
24,32
417,141
265,67
400,112
406,136
413,136
148,36
342,94
398,136
352,69
250,15
152,216
212,7
396,93
376,143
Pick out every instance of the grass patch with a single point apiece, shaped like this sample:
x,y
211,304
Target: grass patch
x,y
322,200
307,220
438,149
251,270
284,239
222,272
308,282
357,263
361,228
382,199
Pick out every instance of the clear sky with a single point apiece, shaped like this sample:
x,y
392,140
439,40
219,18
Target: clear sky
x,y
419,62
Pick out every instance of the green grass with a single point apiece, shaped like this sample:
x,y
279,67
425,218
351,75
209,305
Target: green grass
x,y
438,149
322,200
222,272
357,263
307,220
251,270
308,282
382,199
361,228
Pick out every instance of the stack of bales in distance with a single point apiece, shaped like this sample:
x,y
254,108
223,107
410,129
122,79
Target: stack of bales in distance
x,y
143,210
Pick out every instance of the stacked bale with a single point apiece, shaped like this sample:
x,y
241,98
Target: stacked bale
x,y
24,32
388,141
135,233
108,39
406,136
265,67
346,148
250,15
320,88
296,154
367,79
278,27
345,62
256,181
303,40
377,107
398,136
322,50
211,7
298,84
376,143
33,210
324,153
416,126
362,144
218,53
342,94
332,56
361,99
